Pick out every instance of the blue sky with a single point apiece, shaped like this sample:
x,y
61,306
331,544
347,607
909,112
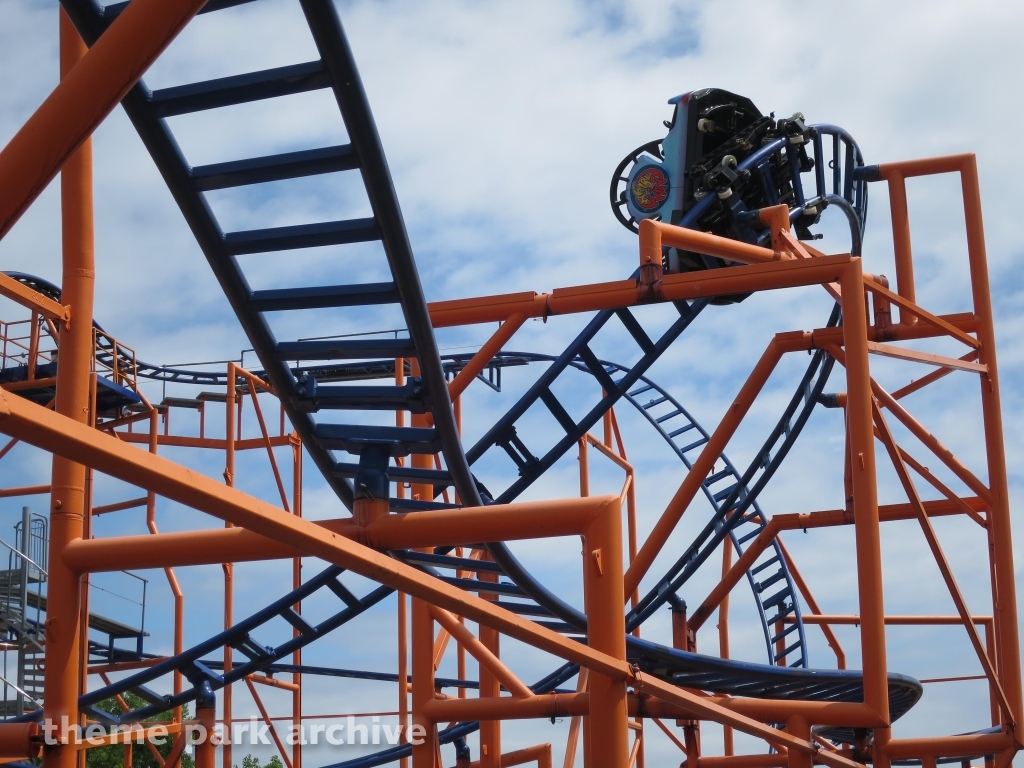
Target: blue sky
x,y
502,123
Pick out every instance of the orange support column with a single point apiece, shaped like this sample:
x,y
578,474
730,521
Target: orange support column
x,y
606,632
860,437
490,730
424,754
206,748
797,726
1005,608
67,503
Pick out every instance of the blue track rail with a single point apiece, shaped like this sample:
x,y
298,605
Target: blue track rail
x,y
302,397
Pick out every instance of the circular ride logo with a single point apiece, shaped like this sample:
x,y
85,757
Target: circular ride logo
x,y
649,189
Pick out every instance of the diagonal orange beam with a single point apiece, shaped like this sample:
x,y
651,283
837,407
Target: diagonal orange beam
x,y
940,558
58,434
84,98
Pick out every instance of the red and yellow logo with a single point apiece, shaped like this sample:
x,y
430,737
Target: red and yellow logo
x,y
649,189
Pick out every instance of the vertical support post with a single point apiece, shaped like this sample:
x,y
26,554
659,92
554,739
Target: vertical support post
x,y
860,436
901,243
490,730
723,634
296,583
424,754
606,632
584,467
229,568
63,632
206,748
797,726
33,347
26,525
403,672
1005,608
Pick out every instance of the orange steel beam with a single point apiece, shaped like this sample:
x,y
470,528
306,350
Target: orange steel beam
x,y
654,235
480,652
58,434
924,472
412,529
675,739
120,505
916,356
746,761
765,710
872,284
1004,584
91,86
484,355
932,377
25,490
181,441
946,456
14,386
940,559
896,620
45,306
798,579
887,513
622,293
508,707
507,522
69,501
541,753
702,466
950,746
572,741
270,724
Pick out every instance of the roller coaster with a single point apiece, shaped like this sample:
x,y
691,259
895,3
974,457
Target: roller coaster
x,y
722,208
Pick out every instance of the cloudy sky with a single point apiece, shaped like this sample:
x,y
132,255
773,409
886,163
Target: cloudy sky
x,y
502,123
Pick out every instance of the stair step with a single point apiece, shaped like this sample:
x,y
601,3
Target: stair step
x,y
301,236
289,165
317,297
345,349
239,89
404,474
401,440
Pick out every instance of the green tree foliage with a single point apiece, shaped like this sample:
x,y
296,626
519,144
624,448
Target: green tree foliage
x,y
113,756
250,761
